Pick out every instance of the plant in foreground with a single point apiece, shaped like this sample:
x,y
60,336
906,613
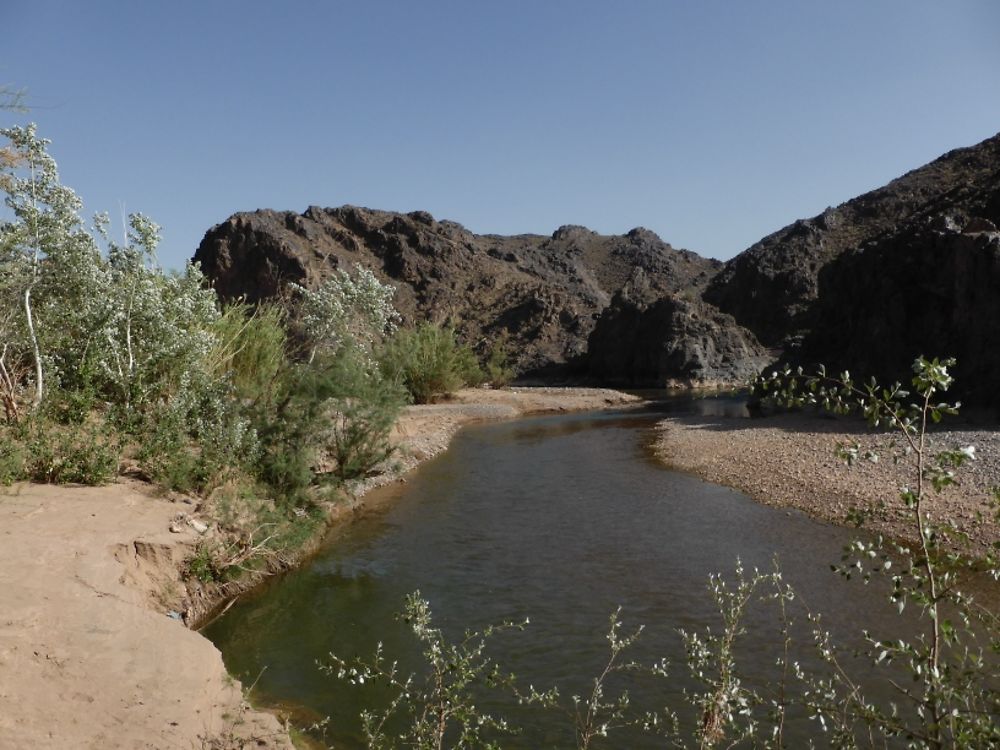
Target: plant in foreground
x,y
952,698
441,706
439,709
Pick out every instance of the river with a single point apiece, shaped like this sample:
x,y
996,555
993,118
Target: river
x,y
558,519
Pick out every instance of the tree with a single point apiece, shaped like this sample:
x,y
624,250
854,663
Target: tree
x,y
46,224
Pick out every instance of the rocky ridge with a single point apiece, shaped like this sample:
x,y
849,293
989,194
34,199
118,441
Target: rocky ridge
x,y
908,268
547,293
770,288
932,288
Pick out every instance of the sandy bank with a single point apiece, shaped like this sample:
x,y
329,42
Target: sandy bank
x,y
86,659
90,657
790,461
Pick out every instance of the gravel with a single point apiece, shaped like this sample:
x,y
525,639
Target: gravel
x,y
790,461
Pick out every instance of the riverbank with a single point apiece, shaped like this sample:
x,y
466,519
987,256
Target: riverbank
x,y
92,653
790,461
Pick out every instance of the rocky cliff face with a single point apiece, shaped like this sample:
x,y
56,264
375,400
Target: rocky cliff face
x,y
676,340
771,287
932,288
547,292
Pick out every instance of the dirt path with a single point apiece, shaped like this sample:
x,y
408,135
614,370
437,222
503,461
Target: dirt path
x,y
790,461
90,656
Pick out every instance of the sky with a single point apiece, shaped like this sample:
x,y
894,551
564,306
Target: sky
x,y
712,123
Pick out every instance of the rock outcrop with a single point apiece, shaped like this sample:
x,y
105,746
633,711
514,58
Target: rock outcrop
x,y
772,286
546,292
676,340
933,288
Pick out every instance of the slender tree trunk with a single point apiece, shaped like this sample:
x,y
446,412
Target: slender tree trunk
x,y
29,316
36,351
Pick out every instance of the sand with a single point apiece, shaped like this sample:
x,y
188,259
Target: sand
x,y
86,660
91,654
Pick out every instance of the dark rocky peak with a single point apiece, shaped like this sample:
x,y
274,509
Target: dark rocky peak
x,y
675,341
771,286
641,235
422,217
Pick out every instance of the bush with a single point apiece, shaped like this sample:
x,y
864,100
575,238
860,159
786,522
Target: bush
x,y
496,369
249,350
13,458
198,439
345,310
42,450
429,362
361,417
338,408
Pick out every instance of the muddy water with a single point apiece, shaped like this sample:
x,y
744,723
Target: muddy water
x,y
559,519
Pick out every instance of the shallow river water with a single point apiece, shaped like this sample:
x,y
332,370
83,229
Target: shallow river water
x,y
559,519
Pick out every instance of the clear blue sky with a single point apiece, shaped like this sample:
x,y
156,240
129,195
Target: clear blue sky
x,y
712,123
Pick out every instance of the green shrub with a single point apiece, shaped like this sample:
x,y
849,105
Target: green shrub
x,y
197,440
337,408
429,362
13,458
68,454
361,418
496,369
249,350
203,565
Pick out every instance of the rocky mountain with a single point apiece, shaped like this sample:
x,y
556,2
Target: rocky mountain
x,y
912,267
547,292
771,287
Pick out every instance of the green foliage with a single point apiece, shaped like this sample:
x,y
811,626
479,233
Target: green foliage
x,y
430,362
43,450
204,566
952,699
497,370
598,715
345,309
101,351
361,415
335,409
249,350
438,707
197,439
13,458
